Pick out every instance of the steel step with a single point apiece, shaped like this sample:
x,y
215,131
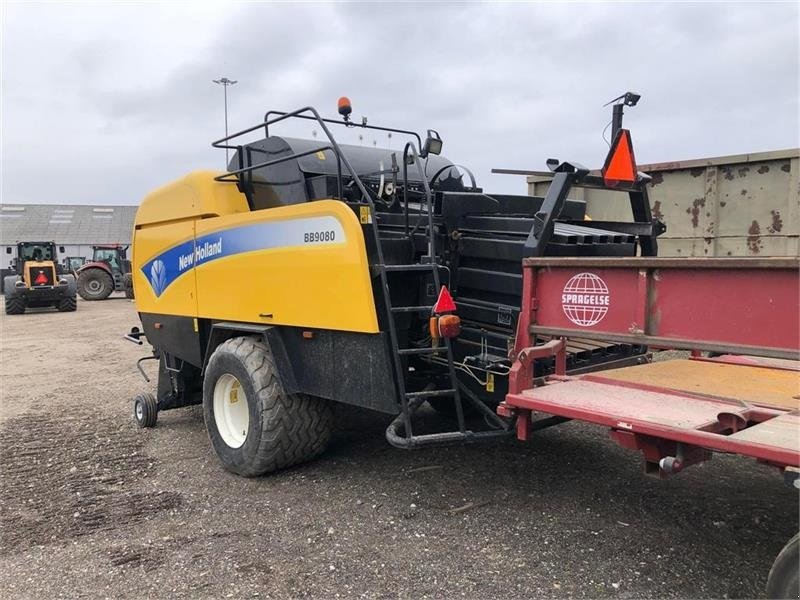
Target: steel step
x,y
405,351
430,393
402,309
414,267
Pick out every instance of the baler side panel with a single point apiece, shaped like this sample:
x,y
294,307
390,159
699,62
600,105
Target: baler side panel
x,y
303,265
153,263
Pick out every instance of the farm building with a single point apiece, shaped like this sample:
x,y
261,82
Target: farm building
x,y
74,228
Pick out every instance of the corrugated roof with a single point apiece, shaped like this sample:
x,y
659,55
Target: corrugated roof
x,y
66,223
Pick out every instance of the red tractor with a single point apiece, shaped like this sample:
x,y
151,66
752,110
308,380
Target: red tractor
x,y
108,271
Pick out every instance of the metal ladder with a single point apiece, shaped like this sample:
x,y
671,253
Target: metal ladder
x,y
411,401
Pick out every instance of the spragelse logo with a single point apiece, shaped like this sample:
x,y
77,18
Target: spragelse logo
x,y
585,299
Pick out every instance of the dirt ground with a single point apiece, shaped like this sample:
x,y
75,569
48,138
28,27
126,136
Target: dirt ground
x,y
91,506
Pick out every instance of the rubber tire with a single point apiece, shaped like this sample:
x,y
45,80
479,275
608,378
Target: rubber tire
x,y
15,305
149,410
284,430
127,285
784,576
68,304
95,273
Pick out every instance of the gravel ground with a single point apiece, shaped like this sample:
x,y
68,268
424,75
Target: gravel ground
x,y
91,506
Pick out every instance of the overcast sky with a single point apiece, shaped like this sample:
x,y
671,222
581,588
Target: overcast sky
x,y
102,103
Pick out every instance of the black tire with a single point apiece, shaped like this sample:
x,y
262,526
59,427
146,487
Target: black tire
x,y
784,576
67,304
95,284
15,305
145,410
283,429
127,285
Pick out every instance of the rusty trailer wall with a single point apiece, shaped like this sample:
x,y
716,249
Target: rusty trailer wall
x,y
743,205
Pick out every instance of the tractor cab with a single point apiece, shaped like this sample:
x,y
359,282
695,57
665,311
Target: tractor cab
x,y
32,251
73,263
114,256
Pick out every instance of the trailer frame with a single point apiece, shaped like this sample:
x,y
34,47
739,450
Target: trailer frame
x,y
738,306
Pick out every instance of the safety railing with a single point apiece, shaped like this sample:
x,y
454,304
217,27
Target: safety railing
x,y
251,167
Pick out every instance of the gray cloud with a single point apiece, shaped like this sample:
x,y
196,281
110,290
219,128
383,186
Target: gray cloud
x,y
103,104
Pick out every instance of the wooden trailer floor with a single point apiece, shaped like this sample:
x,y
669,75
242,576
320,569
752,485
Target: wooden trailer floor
x,y
762,386
739,408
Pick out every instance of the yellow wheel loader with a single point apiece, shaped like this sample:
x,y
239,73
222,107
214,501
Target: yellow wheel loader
x,y
38,280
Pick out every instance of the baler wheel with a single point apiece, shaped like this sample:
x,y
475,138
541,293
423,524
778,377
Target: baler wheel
x,y
254,426
145,410
784,576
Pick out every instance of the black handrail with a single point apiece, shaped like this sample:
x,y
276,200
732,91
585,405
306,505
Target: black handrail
x,y
334,145
428,195
267,122
251,168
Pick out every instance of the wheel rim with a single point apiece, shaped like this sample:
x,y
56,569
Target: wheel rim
x,y
139,409
231,411
94,285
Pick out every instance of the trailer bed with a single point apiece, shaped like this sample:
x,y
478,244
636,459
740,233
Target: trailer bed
x,y
715,406
676,412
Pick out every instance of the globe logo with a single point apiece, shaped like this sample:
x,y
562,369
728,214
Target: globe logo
x,y
585,299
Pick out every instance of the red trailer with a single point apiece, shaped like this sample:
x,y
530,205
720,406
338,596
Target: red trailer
x,y
743,398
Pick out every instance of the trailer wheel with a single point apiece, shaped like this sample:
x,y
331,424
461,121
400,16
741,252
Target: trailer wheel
x,y
254,426
95,284
784,576
145,410
15,305
67,304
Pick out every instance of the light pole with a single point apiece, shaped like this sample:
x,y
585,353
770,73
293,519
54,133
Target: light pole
x,y
225,82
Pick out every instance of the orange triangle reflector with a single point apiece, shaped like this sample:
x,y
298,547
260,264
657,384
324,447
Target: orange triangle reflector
x,y
620,163
445,302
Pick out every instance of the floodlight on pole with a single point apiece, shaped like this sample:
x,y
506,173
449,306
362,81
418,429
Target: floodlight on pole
x,y
225,82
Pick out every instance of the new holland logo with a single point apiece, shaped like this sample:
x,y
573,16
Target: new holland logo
x,y
158,276
162,270
585,299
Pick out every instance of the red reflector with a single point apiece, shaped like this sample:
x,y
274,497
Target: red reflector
x,y
41,279
620,163
445,302
449,326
